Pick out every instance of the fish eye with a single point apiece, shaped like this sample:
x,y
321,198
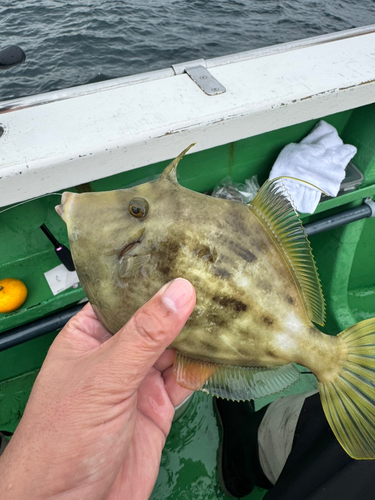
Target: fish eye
x,y
139,208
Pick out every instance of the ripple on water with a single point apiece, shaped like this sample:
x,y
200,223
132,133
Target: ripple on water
x,y
73,43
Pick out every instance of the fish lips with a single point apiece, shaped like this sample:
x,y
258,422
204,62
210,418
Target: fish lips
x,y
61,209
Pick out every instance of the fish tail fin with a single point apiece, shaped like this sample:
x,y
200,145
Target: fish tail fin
x,y
349,400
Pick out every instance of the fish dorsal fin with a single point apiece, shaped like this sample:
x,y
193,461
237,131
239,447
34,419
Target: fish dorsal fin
x,y
276,212
170,172
233,382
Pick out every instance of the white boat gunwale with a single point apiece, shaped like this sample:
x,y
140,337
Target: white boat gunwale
x,y
69,137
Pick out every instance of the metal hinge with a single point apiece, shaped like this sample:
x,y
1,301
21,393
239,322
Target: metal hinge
x,y
201,76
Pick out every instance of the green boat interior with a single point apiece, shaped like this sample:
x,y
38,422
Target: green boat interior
x,y
344,257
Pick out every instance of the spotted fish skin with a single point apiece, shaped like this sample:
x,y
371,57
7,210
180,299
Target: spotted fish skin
x,y
257,293
249,310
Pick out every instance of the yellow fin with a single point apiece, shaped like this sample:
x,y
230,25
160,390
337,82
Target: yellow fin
x,y
276,211
349,401
192,373
233,382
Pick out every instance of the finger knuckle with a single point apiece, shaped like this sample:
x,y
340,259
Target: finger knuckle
x,y
148,325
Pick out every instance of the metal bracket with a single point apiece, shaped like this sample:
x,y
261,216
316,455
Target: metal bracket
x,y
371,204
201,76
180,68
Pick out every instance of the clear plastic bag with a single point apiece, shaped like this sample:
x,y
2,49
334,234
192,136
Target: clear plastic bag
x,y
236,191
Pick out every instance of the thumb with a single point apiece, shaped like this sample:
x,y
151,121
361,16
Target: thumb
x,y
151,330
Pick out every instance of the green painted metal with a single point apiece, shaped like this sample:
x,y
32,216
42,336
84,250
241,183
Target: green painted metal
x,y
344,256
13,394
26,254
189,462
19,367
188,467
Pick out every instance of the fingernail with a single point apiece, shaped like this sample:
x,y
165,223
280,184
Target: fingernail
x,y
177,294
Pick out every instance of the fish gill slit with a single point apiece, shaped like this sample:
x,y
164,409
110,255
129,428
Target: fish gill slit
x,y
129,246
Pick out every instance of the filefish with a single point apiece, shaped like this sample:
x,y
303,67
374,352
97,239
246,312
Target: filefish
x,y
257,286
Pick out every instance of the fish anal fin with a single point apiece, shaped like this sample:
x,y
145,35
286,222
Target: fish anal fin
x,y
275,210
235,383
192,373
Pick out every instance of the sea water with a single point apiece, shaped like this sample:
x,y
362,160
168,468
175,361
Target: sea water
x,y
69,43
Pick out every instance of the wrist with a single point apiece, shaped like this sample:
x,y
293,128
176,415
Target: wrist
x,y
13,479
24,476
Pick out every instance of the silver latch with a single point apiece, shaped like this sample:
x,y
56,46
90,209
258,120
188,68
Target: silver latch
x,y
201,76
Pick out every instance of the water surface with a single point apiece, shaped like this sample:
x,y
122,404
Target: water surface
x,y
71,43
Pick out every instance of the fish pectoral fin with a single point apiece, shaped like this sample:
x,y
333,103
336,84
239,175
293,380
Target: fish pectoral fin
x,y
236,383
131,266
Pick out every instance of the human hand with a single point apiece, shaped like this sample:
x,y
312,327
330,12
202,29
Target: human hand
x,y
101,407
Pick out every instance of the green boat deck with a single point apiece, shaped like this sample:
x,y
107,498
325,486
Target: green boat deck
x,y
344,256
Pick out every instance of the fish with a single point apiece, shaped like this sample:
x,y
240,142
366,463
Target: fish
x,y
259,296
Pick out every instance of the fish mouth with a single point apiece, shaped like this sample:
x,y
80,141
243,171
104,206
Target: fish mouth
x,y
62,209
